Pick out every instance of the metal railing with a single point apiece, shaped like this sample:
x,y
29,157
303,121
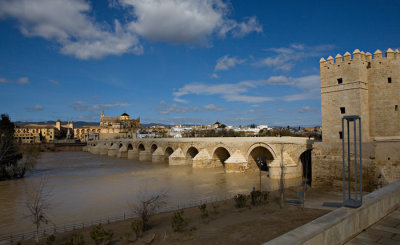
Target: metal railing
x,y
60,228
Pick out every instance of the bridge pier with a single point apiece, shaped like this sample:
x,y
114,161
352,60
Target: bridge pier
x,y
95,150
133,154
122,152
103,150
202,159
158,156
145,156
113,150
178,158
236,163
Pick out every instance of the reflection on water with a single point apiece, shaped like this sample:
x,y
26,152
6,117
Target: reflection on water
x,y
86,187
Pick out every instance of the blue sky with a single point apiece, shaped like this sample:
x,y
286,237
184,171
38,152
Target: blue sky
x,y
176,61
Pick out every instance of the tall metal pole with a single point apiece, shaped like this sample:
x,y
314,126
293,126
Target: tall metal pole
x,y
343,163
361,194
355,158
348,157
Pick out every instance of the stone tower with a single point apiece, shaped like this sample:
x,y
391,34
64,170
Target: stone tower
x,y
361,85
58,125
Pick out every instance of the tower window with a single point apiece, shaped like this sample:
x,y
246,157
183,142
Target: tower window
x,y
389,80
343,110
339,80
396,107
340,134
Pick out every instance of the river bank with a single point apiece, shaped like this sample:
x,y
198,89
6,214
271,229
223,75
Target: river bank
x,y
224,225
51,147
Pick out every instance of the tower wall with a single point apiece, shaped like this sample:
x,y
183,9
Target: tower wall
x,y
384,96
363,90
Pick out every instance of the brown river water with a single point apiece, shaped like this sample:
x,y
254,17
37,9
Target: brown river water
x,y
86,187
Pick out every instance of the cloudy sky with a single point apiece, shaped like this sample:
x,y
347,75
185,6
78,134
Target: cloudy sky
x,y
180,61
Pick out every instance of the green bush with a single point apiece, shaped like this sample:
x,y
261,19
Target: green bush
x,y
178,222
101,236
240,200
137,227
215,208
75,239
203,210
51,240
259,197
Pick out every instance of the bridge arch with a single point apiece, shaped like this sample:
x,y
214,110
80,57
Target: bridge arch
x,y
263,152
120,145
130,146
141,147
306,162
168,151
220,155
191,153
153,148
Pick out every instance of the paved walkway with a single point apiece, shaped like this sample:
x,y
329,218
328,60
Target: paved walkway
x,y
386,232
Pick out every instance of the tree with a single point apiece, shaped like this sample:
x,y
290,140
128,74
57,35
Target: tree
x,y
9,154
147,205
222,126
38,204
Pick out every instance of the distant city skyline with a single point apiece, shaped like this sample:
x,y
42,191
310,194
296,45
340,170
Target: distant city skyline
x,y
180,62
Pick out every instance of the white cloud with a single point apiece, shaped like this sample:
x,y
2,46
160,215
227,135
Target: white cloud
x,y
72,25
165,110
214,75
35,108
305,109
54,82
283,110
186,21
286,56
212,107
309,87
228,91
224,63
83,106
68,23
21,80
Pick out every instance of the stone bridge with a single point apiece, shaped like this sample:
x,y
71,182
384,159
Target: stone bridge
x,y
234,154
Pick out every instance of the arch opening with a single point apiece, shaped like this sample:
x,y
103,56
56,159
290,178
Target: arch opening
x,y
305,159
260,157
168,153
153,148
191,153
120,145
220,156
141,148
130,147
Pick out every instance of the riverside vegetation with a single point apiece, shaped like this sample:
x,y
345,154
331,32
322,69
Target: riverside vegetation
x,y
14,163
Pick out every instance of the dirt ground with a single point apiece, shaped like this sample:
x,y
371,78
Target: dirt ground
x,y
230,225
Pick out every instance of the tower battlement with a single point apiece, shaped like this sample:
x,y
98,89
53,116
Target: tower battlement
x,y
360,56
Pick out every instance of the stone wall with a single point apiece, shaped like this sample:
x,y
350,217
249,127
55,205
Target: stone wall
x,y
377,169
342,224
